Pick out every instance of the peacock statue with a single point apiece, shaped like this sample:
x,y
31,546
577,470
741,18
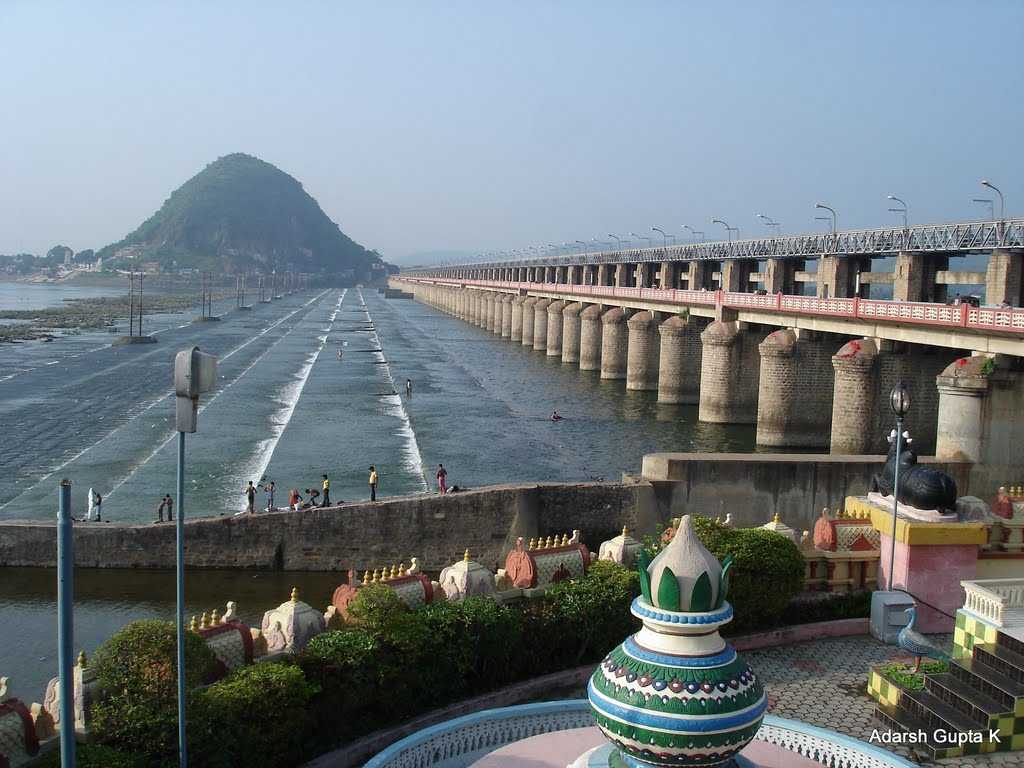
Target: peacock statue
x,y
916,644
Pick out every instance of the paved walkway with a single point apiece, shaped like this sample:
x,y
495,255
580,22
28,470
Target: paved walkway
x,y
824,683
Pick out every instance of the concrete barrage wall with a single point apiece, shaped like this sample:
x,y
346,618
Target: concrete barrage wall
x,y
753,488
435,529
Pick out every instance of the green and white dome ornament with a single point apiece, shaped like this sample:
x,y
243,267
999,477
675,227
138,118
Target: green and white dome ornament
x,y
675,693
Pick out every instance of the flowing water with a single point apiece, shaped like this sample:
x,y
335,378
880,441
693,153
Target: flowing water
x,y
287,408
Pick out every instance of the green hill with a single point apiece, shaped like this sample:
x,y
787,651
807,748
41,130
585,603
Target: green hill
x,y
241,214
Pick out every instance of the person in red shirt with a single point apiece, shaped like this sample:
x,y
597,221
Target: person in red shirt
x,y
442,479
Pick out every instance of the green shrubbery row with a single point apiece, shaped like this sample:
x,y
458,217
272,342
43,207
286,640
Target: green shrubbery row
x,y
390,663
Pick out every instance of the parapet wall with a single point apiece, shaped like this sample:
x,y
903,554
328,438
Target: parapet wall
x,y
435,529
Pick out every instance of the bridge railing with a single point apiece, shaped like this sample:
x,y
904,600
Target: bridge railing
x,y
1008,319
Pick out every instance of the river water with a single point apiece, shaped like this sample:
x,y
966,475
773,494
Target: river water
x,y
287,408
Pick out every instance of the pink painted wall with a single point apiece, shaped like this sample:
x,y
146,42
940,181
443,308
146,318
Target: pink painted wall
x,y
932,573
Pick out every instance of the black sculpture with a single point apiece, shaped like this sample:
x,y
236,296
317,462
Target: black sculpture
x,y
920,487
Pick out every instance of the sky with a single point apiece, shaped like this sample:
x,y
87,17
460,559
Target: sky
x,y
476,126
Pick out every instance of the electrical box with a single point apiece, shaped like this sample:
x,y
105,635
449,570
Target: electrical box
x,y
888,615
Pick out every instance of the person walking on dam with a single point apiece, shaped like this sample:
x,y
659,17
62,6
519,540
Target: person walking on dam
x,y
373,483
269,489
170,508
325,500
250,498
442,479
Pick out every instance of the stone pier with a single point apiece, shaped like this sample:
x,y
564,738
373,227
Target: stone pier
x,y
729,374
614,343
528,313
679,362
571,333
644,351
794,390
517,319
494,314
591,334
853,397
554,339
540,324
506,317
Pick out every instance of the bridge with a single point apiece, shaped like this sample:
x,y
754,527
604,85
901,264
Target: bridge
x,y
750,335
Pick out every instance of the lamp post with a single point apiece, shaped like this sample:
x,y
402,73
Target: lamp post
x,y
584,248
728,230
641,237
899,402
987,201
664,237
1002,203
902,210
65,624
770,222
618,240
835,216
824,218
696,233
194,373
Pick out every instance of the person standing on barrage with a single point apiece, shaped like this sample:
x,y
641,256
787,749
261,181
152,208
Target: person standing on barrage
x,y
442,479
250,498
373,483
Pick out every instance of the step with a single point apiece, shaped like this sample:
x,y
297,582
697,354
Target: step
x,y
1008,641
990,681
928,707
1001,659
979,707
895,719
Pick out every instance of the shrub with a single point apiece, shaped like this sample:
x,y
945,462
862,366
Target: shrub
x,y
137,671
257,715
375,606
825,606
94,756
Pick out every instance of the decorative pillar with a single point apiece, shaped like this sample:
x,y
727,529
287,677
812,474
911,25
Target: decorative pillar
x,y
679,363
527,334
554,339
643,352
517,319
540,324
571,333
729,374
614,342
591,336
853,397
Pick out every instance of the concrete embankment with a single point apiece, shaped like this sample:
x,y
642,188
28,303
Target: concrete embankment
x,y
435,529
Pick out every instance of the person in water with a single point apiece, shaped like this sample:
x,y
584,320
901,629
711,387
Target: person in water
x,y
408,387
555,416
339,353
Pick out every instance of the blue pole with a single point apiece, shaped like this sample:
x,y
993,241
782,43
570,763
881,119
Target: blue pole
x,y
65,625
180,617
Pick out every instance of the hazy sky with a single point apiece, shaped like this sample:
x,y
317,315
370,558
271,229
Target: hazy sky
x,y
486,125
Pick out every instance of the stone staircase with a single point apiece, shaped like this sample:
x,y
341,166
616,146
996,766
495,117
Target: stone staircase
x,y
981,695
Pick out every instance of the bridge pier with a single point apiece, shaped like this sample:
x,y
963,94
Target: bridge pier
x,y
794,391
517,319
591,327
643,352
506,317
478,308
913,277
1004,277
494,319
554,339
571,332
963,389
729,375
679,361
853,397
837,276
528,313
779,276
698,276
540,324
614,343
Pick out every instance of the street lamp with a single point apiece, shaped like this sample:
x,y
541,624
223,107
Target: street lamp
x,y
194,373
899,402
696,232
728,230
770,222
987,201
902,210
1002,203
584,248
664,237
835,217
824,218
641,237
617,240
